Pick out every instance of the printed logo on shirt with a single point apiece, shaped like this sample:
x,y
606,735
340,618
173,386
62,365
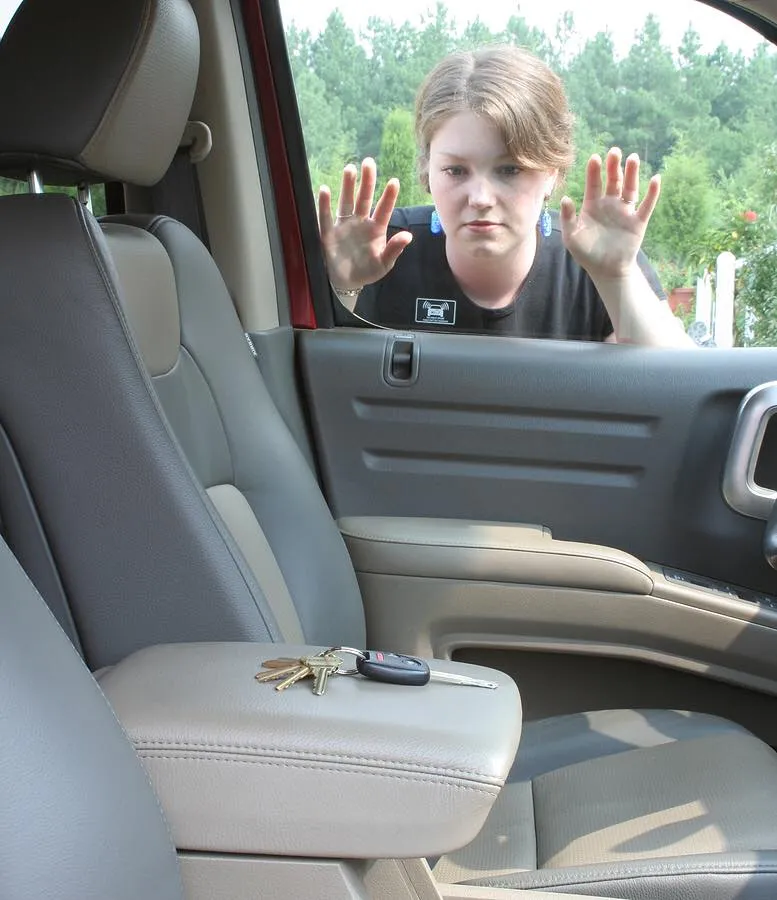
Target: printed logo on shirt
x,y
435,312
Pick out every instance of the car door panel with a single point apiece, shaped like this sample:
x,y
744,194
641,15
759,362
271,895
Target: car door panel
x,y
446,588
618,446
622,447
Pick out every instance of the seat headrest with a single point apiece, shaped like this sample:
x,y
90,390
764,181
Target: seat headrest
x,y
95,90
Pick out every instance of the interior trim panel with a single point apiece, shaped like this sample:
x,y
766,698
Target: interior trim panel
x,y
618,446
740,489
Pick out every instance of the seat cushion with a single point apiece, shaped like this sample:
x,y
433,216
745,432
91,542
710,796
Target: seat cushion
x,y
632,804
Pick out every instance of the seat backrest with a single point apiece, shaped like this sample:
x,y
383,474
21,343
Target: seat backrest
x,y
232,434
78,817
199,521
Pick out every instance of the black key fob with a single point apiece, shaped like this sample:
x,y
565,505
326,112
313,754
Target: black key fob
x,y
393,668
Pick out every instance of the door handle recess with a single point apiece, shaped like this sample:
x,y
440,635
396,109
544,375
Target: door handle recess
x,y
400,365
739,487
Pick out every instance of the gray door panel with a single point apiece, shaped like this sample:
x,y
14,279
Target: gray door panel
x,y
621,446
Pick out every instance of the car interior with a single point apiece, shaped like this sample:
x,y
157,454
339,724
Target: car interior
x,y
193,480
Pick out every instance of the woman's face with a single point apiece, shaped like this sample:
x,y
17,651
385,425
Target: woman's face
x,y
487,204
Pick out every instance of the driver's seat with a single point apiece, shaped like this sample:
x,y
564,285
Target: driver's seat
x,y
78,817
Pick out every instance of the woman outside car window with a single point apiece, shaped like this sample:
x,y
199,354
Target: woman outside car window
x,y
494,135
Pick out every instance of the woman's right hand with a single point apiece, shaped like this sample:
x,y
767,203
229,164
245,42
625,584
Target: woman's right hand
x,y
355,246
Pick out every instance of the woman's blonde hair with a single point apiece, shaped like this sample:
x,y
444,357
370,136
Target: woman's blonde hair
x,y
524,99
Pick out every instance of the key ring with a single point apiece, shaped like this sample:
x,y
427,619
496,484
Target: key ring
x,y
354,652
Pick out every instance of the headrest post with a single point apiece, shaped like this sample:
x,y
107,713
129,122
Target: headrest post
x,y
85,196
34,182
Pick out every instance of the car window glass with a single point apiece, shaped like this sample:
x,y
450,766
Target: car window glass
x,y
7,9
686,87
97,192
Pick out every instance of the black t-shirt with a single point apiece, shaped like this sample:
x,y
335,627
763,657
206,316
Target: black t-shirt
x,y
557,300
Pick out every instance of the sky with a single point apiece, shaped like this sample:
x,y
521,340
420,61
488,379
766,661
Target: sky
x,y
623,19
7,8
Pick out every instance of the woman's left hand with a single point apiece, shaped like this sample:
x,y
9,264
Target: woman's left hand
x,y
605,237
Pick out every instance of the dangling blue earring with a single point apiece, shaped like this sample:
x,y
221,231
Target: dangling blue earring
x,y
435,225
546,226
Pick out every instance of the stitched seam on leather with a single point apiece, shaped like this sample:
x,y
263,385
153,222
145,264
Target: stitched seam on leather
x,y
611,876
306,754
384,539
431,542
479,546
350,770
97,257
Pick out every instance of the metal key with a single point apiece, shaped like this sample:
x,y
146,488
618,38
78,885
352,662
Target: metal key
x,y
453,678
278,668
303,671
396,668
284,663
322,666
286,677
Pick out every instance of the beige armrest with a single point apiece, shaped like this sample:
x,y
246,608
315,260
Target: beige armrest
x,y
367,770
488,551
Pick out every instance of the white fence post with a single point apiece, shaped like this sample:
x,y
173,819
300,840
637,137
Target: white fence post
x,y
704,301
724,300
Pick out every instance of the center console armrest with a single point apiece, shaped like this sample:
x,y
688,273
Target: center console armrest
x,y
488,551
367,770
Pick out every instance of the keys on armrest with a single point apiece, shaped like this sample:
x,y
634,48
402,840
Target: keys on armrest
x,y
377,665
395,668
320,666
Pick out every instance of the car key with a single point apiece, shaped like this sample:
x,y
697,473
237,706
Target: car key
x,y
396,668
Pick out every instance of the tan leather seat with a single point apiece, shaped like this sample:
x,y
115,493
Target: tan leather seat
x,y
631,803
78,817
146,461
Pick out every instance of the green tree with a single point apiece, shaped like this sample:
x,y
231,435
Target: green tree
x,y
648,117
521,34
586,144
475,35
563,43
700,81
436,38
756,297
398,157
340,62
594,88
329,144
394,73
729,101
685,209
298,48
11,186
